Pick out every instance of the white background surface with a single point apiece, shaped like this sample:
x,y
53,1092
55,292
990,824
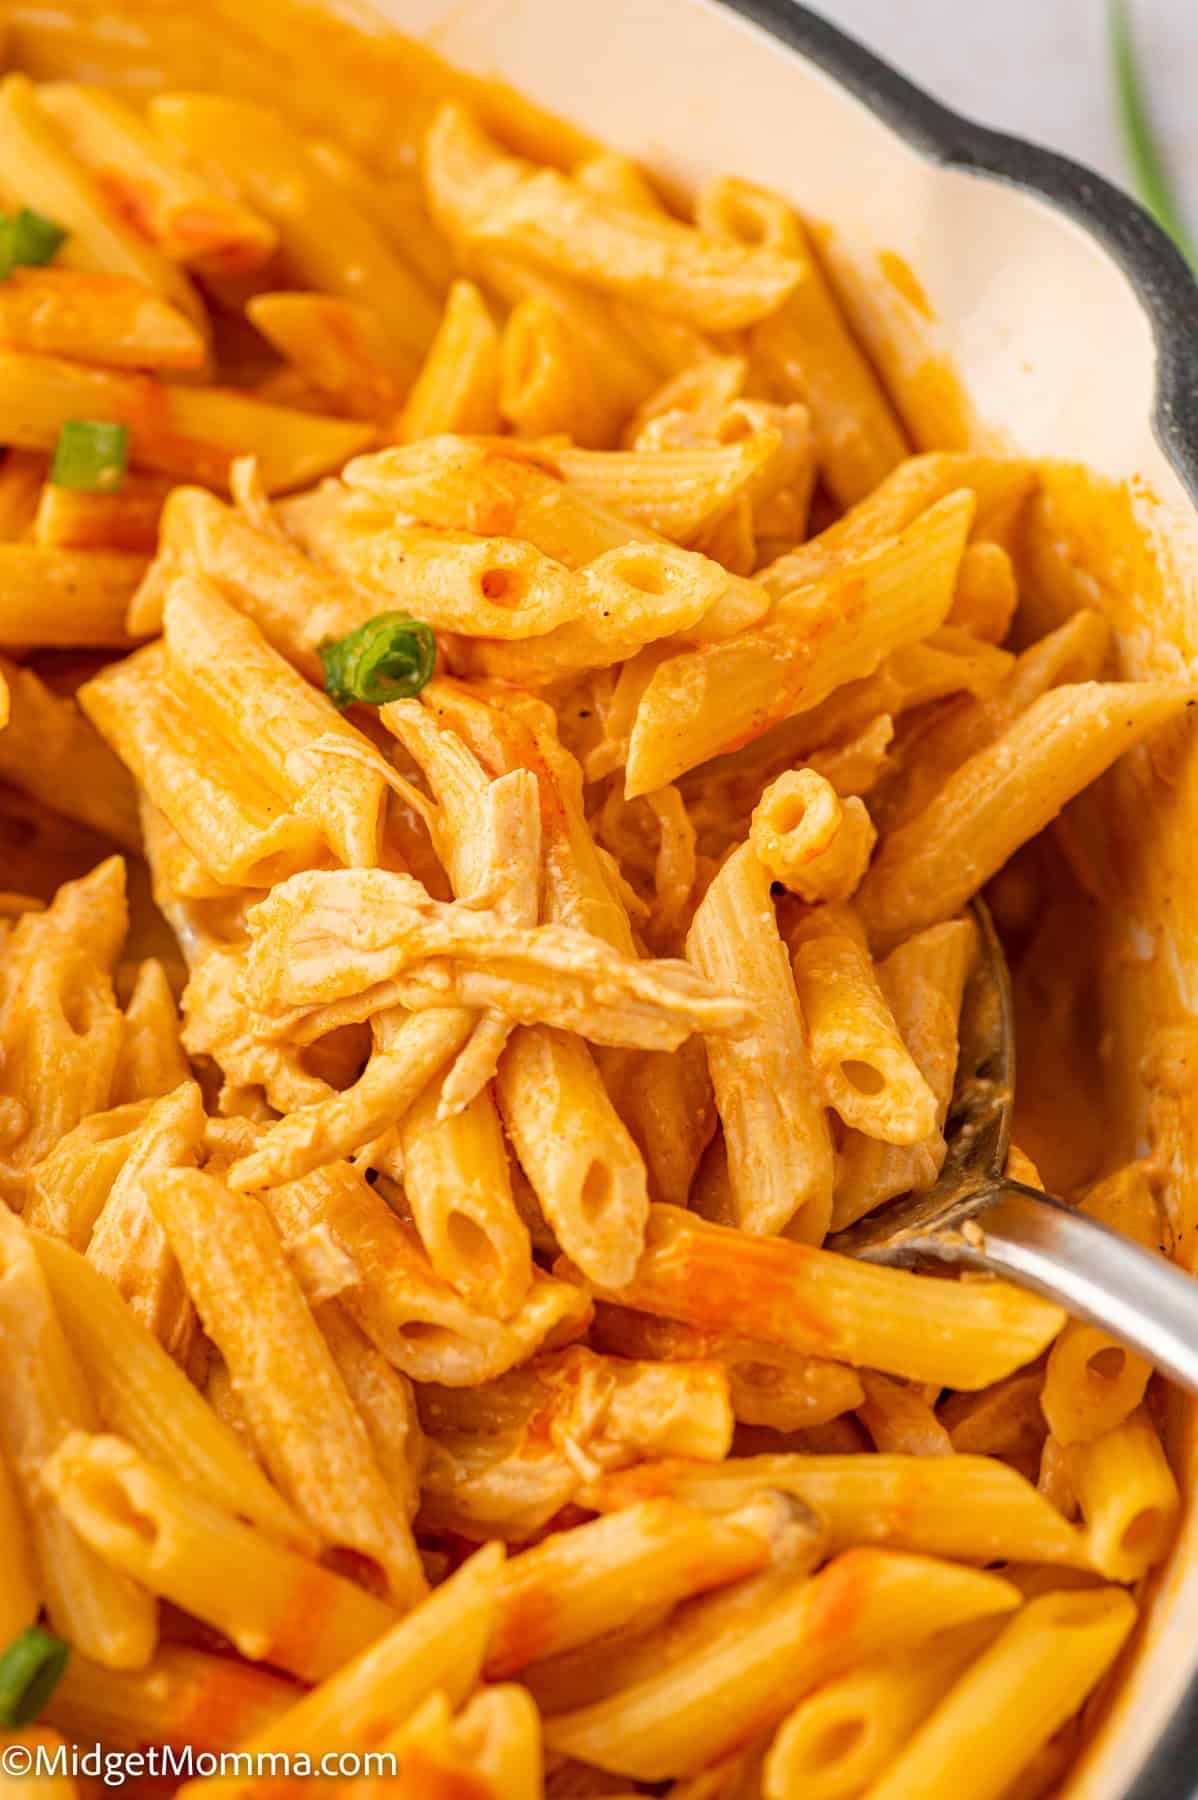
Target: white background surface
x,y
1041,68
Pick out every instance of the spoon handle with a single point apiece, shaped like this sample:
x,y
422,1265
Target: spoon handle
x,y
1096,1273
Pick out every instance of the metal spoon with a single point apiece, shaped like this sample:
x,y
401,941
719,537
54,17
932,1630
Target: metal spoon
x,y
976,1218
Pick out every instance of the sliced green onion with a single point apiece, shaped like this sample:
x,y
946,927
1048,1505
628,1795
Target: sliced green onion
x,y
389,658
30,1670
35,238
1148,168
27,239
92,454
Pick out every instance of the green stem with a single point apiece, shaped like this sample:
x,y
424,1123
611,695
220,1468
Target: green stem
x,y
1151,181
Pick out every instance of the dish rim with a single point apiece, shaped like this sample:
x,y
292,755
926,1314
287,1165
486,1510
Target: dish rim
x,y
1168,293
1154,267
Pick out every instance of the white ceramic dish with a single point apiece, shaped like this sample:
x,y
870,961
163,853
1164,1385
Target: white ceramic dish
x,y
1069,321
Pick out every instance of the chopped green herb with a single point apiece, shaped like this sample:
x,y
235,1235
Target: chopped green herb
x,y
389,658
1148,169
92,454
30,1670
27,239
35,238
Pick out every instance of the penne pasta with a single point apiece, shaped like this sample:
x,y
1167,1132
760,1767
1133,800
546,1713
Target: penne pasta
x,y
42,171
182,1696
585,1169
22,475
66,599
1128,1496
459,1187
934,750
701,703
67,1187
191,433
272,1604
459,484
618,179
690,1714
58,312
128,520
805,838
330,1474
621,371
624,1659
932,1505
986,595
458,386
50,752
439,1647
127,1243
547,380
1014,1697
293,603
900,1419
60,1026
922,983
395,205
675,493
779,1151
343,1240
841,1738
806,349
1092,1383
227,816
768,1385
578,1585
563,226
385,1401
1003,796
146,1398
331,245
190,221
20,1590
340,346
864,1068
89,1603
295,740
828,1305
504,1460
150,1061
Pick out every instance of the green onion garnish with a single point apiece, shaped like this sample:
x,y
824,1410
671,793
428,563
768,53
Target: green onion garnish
x,y
1152,182
35,238
27,239
92,454
389,658
30,1670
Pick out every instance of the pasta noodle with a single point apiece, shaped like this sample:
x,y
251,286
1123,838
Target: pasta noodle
x,y
499,739
779,1149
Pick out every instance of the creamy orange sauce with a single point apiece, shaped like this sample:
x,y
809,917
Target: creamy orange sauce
x,y
526,1629
233,1702
338,67
134,202
903,279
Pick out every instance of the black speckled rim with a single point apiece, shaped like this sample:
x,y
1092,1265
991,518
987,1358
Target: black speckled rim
x,y
1168,293
1153,265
